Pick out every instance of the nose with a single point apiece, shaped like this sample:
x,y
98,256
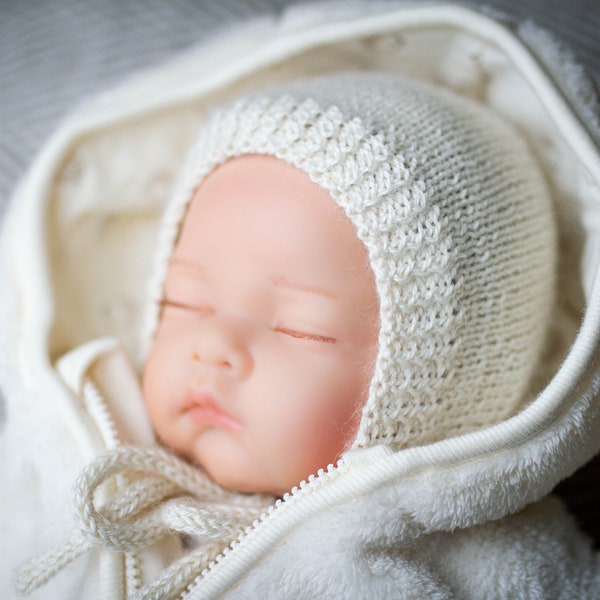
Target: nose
x,y
223,343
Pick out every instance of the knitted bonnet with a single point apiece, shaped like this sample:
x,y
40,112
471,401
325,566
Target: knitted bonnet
x,y
458,227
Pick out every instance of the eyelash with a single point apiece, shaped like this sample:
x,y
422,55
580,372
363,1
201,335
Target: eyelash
x,y
305,336
294,333
180,305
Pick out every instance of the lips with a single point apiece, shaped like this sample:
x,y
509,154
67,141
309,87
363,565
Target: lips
x,y
201,407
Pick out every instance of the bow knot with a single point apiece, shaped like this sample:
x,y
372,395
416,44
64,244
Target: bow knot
x,y
131,497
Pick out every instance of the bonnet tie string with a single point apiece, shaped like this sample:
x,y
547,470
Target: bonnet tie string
x,y
129,498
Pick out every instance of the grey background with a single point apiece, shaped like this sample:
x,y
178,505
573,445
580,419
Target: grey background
x,y
55,53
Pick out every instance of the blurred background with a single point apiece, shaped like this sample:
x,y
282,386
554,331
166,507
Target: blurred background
x,y
55,53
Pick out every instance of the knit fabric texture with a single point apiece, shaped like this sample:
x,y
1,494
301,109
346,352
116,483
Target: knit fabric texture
x,y
458,225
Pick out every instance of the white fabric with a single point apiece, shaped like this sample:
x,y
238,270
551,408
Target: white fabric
x,y
102,42
457,223
537,554
418,520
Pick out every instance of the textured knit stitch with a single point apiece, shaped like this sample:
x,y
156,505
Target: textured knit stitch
x,y
457,223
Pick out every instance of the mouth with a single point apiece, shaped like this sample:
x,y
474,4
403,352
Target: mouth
x,y
201,407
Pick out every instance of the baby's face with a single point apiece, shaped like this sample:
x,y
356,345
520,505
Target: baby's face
x,y
267,339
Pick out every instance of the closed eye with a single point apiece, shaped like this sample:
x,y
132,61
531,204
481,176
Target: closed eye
x,y
303,335
165,303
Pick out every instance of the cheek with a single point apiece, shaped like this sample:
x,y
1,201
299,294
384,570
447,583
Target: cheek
x,y
152,387
161,373
309,416
334,413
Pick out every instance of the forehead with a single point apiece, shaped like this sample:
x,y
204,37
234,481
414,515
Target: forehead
x,y
266,205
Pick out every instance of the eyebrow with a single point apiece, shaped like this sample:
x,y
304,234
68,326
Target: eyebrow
x,y
283,282
279,281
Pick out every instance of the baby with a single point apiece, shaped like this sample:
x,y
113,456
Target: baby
x,y
363,261
356,267
268,332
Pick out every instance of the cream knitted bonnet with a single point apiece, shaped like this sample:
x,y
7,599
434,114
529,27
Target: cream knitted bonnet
x,y
458,226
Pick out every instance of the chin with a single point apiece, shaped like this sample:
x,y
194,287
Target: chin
x,y
242,483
